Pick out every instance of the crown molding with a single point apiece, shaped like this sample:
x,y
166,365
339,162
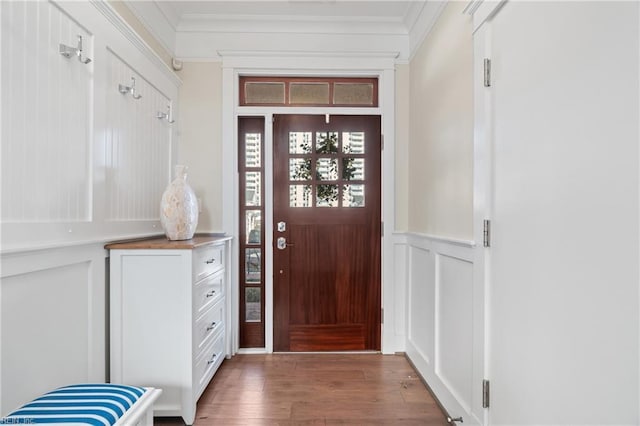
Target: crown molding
x,y
426,20
158,19
248,24
130,34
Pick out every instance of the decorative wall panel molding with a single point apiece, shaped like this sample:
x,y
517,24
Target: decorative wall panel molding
x,y
440,321
53,299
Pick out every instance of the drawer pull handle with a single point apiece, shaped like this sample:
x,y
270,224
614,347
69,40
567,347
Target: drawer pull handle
x,y
211,293
212,326
212,360
210,261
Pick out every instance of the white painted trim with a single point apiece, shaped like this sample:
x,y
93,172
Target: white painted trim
x,y
252,54
301,63
382,66
155,20
437,238
638,378
484,11
425,22
66,244
289,24
252,351
268,214
482,181
130,34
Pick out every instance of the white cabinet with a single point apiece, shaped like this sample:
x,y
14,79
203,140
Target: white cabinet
x,y
168,319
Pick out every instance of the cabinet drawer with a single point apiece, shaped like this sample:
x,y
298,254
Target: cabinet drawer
x,y
207,292
206,261
208,326
208,362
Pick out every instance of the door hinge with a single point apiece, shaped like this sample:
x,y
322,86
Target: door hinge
x,y
485,394
382,228
381,142
381,315
486,233
487,72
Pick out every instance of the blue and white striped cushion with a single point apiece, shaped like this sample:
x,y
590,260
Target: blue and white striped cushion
x,y
87,404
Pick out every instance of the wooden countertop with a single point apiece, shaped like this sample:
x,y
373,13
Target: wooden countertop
x,y
162,243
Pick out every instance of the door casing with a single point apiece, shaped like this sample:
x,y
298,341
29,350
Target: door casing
x,y
382,67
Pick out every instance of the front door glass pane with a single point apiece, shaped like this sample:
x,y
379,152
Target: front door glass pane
x,y
353,142
299,169
327,142
327,169
353,196
300,196
327,195
300,142
353,168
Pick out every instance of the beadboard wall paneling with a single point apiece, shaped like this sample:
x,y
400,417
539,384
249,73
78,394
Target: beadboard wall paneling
x,y
81,162
138,145
46,116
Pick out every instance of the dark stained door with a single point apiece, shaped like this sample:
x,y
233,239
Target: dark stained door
x,y
327,233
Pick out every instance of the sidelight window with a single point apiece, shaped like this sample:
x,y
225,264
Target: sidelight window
x,y
251,170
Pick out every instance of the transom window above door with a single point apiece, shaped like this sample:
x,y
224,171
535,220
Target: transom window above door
x,y
308,91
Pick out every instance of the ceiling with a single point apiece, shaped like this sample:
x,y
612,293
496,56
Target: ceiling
x,y
198,28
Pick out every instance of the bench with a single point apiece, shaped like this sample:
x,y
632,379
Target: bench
x,y
99,404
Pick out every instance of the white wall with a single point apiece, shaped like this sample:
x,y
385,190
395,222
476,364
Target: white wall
x,y
402,147
200,132
441,129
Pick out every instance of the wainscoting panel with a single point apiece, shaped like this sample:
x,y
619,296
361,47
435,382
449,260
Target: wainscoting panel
x,y
440,321
454,328
52,321
422,302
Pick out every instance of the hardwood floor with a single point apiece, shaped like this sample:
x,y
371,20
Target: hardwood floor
x,y
316,389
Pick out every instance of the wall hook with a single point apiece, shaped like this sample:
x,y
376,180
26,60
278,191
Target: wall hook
x,y
166,115
68,51
129,89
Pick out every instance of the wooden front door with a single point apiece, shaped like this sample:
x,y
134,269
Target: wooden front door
x,y
327,233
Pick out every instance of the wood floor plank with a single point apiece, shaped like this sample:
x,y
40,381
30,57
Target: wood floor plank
x,y
316,389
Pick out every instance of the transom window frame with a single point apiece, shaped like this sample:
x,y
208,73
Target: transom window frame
x,y
289,82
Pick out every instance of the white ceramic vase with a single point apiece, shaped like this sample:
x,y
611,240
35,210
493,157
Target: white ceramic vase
x,y
179,208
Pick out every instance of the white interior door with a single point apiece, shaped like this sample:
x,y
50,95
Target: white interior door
x,y
563,130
